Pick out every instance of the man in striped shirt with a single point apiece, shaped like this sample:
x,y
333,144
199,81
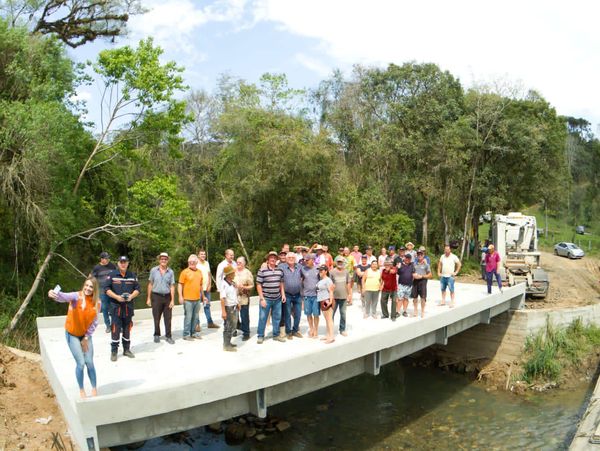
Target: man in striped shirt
x,y
269,285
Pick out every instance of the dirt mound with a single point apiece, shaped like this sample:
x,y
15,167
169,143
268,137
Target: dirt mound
x,y
25,396
573,283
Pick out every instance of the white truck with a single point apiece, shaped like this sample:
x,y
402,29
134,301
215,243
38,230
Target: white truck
x,y
515,237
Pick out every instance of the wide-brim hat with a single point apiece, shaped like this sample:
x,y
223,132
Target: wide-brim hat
x,y
228,271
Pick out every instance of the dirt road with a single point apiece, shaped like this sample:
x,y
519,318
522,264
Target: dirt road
x,y
572,282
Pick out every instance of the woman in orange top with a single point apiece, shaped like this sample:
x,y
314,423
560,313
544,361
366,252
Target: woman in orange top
x,y
82,319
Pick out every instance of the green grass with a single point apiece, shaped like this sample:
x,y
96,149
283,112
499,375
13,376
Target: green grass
x,y
551,350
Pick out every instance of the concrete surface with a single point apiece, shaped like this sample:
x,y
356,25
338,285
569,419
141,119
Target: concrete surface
x,y
170,388
588,433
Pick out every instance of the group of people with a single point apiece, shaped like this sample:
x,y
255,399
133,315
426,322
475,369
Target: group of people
x,y
288,283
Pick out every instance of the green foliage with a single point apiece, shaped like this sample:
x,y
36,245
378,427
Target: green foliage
x,y
165,213
551,350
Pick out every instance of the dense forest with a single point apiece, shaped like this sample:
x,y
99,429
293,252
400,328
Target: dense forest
x,y
378,156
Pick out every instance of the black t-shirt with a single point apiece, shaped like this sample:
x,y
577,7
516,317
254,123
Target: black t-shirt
x,y
362,268
101,272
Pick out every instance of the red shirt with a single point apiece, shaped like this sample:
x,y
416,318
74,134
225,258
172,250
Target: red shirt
x,y
390,281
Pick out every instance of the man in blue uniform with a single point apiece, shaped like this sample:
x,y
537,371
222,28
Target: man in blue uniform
x,y
122,288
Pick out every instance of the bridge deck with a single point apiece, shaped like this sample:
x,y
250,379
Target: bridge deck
x,y
169,388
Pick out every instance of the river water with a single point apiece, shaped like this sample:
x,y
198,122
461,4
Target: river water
x,y
408,407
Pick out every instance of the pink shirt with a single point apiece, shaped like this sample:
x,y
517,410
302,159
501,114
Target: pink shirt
x,y
491,262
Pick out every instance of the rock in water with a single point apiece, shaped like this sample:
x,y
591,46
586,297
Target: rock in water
x,y
283,425
261,437
215,427
235,434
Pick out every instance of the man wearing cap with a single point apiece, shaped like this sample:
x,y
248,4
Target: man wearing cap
x,y
425,256
405,283
448,267
420,276
410,249
310,278
361,268
101,272
122,287
191,296
229,307
342,292
161,296
390,287
292,283
269,285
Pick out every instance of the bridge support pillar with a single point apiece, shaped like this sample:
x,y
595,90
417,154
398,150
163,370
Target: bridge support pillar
x,y
441,336
258,403
486,316
373,363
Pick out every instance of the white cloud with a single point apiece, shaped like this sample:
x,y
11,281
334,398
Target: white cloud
x,y
322,69
548,45
173,23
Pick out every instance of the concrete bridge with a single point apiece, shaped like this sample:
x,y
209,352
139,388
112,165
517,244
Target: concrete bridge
x,y
172,388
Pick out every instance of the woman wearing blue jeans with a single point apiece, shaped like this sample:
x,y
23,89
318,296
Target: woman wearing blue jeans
x,y
82,319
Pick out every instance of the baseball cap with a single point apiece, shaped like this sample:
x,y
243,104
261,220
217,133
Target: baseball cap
x,y
309,257
391,248
323,268
123,258
340,259
163,254
402,248
409,256
104,254
272,253
422,248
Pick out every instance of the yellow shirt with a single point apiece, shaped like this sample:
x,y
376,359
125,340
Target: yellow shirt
x,y
192,284
205,268
373,280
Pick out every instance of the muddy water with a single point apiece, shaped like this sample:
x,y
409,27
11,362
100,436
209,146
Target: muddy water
x,y
413,408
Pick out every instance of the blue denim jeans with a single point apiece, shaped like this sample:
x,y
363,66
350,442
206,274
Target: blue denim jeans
x,y
341,304
105,305
82,359
293,308
191,309
490,276
245,317
274,306
209,319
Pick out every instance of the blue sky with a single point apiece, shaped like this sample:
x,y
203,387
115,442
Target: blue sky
x,y
550,46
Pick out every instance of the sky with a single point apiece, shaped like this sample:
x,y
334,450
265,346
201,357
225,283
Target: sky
x,y
550,46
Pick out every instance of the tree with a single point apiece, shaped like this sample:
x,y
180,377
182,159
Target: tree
x,y
138,103
74,22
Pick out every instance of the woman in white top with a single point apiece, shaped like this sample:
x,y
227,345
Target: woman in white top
x,y
325,298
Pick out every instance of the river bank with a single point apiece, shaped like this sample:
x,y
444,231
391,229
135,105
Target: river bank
x,y
409,407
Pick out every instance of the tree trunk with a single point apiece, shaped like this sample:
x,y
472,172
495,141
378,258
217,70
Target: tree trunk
x,y
467,213
426,221
32,290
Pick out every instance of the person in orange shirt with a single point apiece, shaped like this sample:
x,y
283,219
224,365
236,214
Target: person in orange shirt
x,y
82,319
190,295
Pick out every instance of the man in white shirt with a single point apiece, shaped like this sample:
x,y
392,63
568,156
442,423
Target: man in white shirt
x,y
229,307
228,261
204,267
448,267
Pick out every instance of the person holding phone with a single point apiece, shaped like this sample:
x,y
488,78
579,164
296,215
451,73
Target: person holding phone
x,y
82,319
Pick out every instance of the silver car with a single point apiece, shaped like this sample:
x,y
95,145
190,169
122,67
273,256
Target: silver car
x,y
568,250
